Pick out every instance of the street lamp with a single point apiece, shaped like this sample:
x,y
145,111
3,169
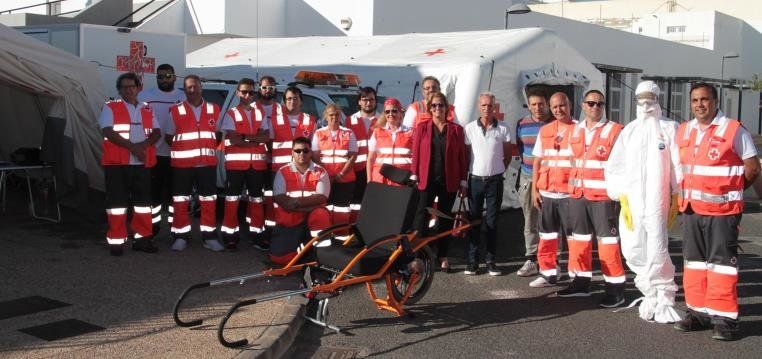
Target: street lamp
x,y
729,55
516,9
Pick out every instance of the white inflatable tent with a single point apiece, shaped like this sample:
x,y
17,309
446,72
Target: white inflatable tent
x,y
50,99
504,62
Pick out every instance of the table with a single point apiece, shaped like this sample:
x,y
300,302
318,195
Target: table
x,y
7,168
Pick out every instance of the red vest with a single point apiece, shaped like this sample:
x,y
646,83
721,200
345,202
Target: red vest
x,y
586,177
713,174
398,153
333,153
243,158
194,142
114,155
296,189
282,135
556,157
362,134
423,115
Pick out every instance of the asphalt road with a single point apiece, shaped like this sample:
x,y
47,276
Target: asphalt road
x,y
483,316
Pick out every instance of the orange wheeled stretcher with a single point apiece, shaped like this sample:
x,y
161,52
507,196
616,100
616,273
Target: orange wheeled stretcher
x,y
380,246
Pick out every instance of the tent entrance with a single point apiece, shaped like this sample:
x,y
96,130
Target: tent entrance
x,y
549,90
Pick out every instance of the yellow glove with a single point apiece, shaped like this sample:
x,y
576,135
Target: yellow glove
x,y
625,212
672,211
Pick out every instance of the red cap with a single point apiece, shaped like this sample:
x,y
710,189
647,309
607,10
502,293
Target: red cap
x,y
393,102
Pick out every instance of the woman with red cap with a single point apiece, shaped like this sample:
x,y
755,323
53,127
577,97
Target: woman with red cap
x,y
390,143
440,167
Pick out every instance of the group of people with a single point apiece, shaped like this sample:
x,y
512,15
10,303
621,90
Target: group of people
x,y
580,180
624,186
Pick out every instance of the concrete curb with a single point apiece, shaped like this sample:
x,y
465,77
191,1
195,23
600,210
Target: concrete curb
x,y
277,338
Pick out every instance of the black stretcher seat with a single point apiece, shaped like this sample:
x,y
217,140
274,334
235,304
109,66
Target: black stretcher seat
x,y
386,210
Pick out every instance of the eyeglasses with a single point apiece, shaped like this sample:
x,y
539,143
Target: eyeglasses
x,y
395,111
166,76
593,103
436,105
266,88
301,150
246,92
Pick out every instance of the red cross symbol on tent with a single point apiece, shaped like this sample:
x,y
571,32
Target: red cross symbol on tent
x,y
136,61
714,154
434,52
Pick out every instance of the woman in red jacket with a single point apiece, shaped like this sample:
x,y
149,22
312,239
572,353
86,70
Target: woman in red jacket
x,y
440,167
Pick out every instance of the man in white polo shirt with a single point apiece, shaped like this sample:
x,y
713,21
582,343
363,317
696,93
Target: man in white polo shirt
x,y
488,143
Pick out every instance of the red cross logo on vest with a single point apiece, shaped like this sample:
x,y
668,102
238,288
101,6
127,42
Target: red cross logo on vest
x,y
434,52
136,62
714,154
601,150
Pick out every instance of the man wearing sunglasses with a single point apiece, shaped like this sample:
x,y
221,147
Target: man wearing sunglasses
x,y
160,98
592,214
361,123
418,111
246,133
550,186
300,191
642,175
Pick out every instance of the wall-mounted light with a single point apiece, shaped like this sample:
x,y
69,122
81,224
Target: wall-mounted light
x,y
346,23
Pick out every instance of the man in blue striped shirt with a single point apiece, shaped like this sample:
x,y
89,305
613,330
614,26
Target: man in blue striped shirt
x,y
526,135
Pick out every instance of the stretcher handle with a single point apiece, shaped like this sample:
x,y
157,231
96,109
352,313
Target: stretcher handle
x,y
237,279
242,342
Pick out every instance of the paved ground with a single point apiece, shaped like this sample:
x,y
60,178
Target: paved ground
x,y
127,300
483,316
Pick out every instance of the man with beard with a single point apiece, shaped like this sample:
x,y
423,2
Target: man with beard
x,y
160,98
642,174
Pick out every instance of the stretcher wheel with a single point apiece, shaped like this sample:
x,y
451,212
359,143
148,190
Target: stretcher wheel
x,y
402,280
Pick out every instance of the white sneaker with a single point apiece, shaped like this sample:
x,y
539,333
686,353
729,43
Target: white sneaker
x,y
214,245
541,282
179,245
528,269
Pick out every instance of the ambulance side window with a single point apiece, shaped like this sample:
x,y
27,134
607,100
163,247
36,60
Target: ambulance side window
x,y
216,96
314,106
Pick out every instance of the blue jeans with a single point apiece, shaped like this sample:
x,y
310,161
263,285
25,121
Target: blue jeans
x,y
483,190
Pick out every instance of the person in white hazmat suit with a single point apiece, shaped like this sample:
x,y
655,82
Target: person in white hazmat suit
x,y
642,173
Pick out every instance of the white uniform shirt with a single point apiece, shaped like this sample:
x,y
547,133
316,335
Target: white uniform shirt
x,y
487,147
743,144
137,132
323,187
160,102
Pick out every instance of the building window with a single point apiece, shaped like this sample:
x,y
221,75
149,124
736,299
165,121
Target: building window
x,y
674,29
677,103
615,97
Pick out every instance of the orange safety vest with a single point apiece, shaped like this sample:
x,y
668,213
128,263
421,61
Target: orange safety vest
x,y
362,134
334,152
243,158
713,174
194,142
282,135
115,155
423,115
556,157
296,189
586,177
398,153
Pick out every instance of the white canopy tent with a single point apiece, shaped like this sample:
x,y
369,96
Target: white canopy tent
x,y
50,99
504,62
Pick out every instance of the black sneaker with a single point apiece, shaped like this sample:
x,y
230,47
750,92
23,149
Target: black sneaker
x,y
231,246
262,246
471,269
493,270
144,245
575,289
724,332
116,250
689,324
612,301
